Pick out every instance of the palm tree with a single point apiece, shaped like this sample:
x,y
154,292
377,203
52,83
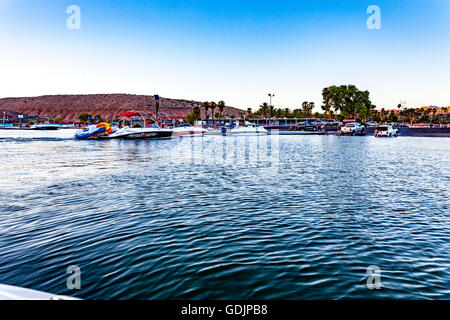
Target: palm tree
x,y
383,113
310,108
212,106
196,112
263,110
249,113
277,113
205,106
271,111
326,101
305,106
221,106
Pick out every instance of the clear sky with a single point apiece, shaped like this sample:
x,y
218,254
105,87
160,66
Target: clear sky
x,y
237,51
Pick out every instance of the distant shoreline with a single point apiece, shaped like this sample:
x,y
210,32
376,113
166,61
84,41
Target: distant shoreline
x,y
69,107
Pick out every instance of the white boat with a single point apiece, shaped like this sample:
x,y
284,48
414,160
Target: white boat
x,y
45,126
17,293
140,133
213,132
143,126
188,130
247,128
179,126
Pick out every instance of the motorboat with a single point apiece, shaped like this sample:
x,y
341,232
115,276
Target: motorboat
x,y
181,127
17,293
140,133
45,126
142,126
213,131
247,128
188,130
101,130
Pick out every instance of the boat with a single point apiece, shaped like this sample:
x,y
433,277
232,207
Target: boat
x,y
102,129
143,126
247,128
9,127
17,293
140,133
45,126
213,131
187,130
180,127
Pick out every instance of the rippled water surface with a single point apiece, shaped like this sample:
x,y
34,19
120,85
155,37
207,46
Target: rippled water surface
x,y
289,217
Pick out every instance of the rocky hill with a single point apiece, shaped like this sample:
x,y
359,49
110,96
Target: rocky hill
x,y
69,107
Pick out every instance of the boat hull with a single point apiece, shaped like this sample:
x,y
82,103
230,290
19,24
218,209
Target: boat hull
x,y
140,133
249,131
45,127
17,293
89,134
149,135
183,131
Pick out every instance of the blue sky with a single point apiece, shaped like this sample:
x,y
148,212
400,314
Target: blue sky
x,y
237,51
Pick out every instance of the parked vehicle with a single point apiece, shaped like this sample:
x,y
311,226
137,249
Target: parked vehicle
x,y
385,131
309,124
353,129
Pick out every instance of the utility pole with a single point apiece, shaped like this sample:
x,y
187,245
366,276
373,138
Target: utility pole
x,y
271,95
157,106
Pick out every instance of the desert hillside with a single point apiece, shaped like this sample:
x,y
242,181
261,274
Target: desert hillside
x,y
69,107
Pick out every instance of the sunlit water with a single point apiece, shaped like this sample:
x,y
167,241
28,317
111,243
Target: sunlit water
x,y
290,217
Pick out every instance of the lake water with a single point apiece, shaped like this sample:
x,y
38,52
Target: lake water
x,y
269,217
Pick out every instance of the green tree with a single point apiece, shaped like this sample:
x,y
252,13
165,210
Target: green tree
x,y
326,101
264,110
349,101
221,106
84,117
271,111
249,113
305,107
191,117
196,112
311,106
212,106
205,106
